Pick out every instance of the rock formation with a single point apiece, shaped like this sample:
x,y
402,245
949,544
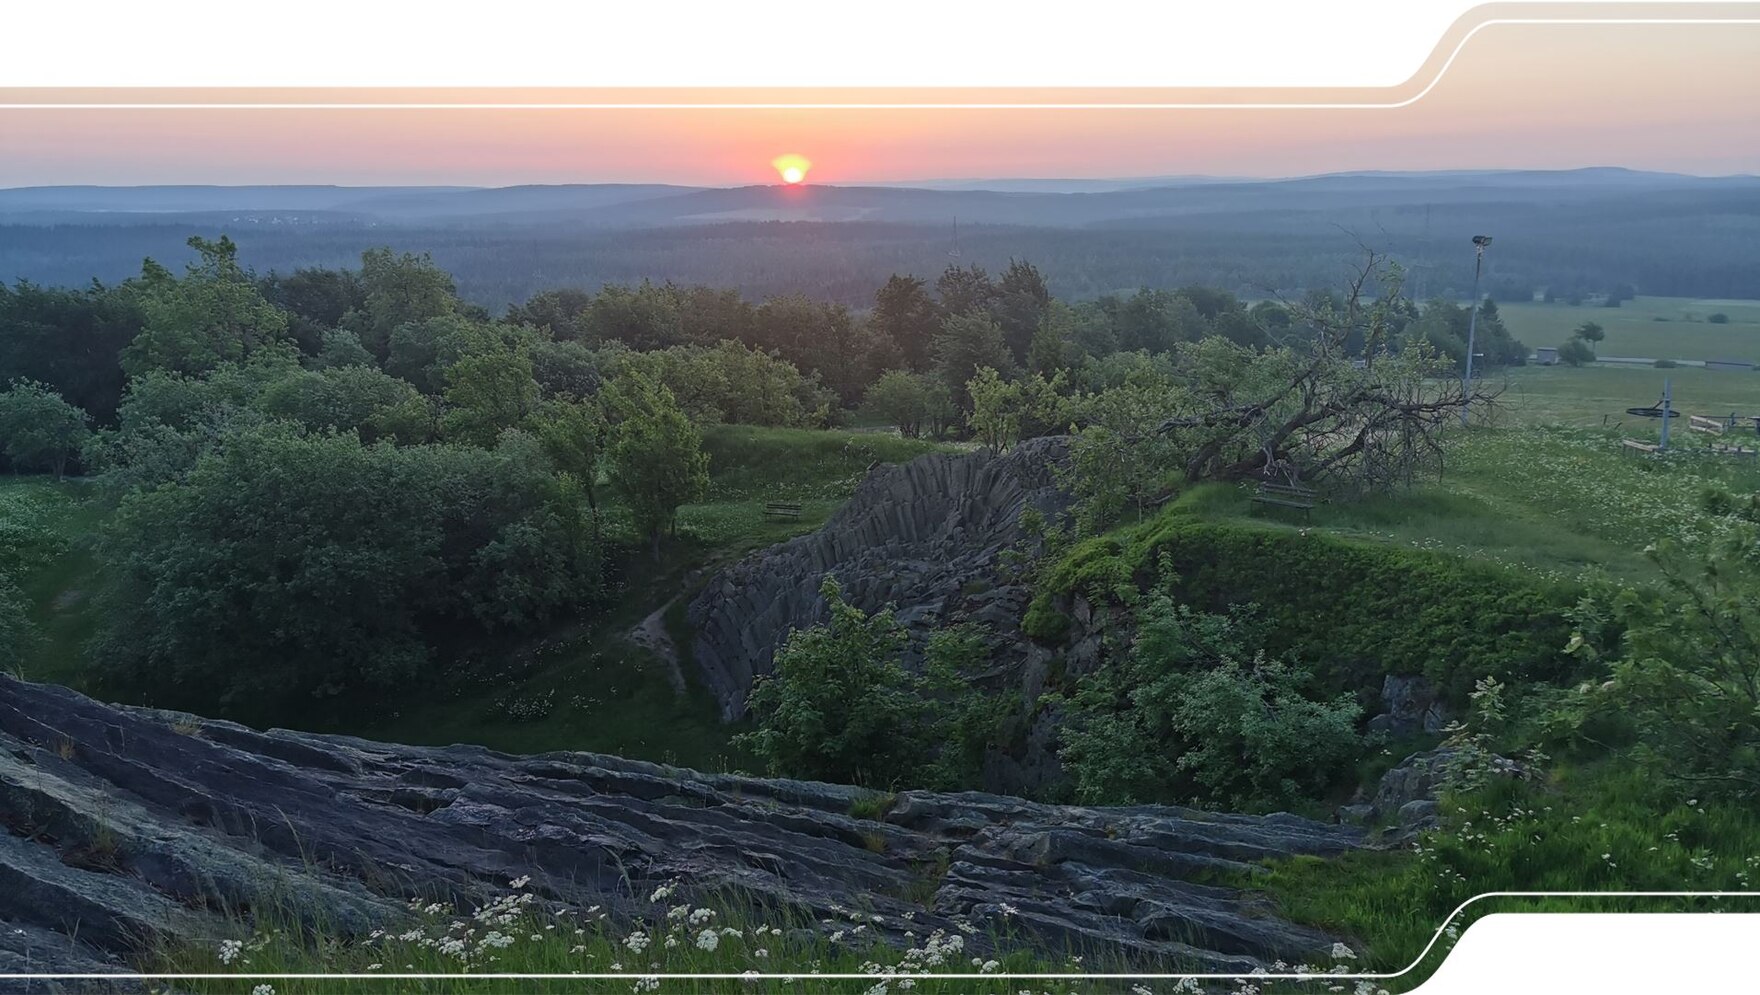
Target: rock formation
x,y
125,824
926,536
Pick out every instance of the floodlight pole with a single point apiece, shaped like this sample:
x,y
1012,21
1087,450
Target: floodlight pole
x,y
1479,244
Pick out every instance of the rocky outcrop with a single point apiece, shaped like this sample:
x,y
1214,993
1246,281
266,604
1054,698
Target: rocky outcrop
x,y
1411,705
926,537
126,824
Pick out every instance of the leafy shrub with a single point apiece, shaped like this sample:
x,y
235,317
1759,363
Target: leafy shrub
x,y
290,568
840,705
1576,352
1719,318
1353,611
1687,677
1196,712
1665,364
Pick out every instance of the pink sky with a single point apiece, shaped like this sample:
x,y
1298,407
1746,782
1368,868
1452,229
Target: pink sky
x,y
1679,98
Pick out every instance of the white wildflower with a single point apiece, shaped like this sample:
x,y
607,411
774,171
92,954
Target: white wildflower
x,y
636,942
708,939
229,949
263,990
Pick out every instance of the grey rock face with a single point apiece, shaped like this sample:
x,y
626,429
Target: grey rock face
x,y
126,824
1411,706
925,536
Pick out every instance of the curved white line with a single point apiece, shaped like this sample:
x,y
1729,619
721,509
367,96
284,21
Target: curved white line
x,y
660,106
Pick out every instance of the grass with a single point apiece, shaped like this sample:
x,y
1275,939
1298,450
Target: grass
x,y
1648,327
751,948
1580,828
1597,396
1558,501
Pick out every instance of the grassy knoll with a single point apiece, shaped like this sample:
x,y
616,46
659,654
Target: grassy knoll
x,y
1651,327
1557,501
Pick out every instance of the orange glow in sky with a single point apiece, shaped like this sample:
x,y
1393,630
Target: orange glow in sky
x,y
791,167
1673,97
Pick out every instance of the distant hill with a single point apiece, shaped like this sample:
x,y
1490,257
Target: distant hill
x,y
1595,230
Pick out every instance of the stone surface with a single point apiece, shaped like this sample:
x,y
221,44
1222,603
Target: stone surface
x,y
126,824
926,537
1411,705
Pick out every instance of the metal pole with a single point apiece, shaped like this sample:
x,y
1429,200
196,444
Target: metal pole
x,y
1666,408
1472,327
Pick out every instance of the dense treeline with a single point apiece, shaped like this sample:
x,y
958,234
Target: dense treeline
x,y
1693,246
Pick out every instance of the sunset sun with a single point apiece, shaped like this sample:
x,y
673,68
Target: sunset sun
x,y
792,168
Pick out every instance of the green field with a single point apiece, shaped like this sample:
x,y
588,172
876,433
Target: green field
x,y
1676,328
1597,396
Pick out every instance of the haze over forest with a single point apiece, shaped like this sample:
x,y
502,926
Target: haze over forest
x,y
1570,232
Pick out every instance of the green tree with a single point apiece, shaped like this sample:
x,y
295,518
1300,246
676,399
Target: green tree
x,y
839,705
904,311
70,340
214,314
969,342
488,393
398,290
573,434
965,290
995,418
1589,332
340,347
39,430
345,398
902,399
295,575
1022,301
655,460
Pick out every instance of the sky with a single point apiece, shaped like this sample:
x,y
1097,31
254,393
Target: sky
x,y
1678,98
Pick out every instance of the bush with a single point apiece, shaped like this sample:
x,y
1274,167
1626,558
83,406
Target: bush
x,y
290,568
1687,674
1353,611
1718,319
1195,712
1665,364
839,706
1576,352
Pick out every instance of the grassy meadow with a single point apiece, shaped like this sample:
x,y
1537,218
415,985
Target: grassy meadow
x,y
1678,328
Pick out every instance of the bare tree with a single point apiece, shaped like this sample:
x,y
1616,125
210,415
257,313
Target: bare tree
x,y
1308,410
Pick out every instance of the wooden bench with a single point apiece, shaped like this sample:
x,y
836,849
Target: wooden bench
x,y
1294,496
782,509
1722,450
1642,447
1709,426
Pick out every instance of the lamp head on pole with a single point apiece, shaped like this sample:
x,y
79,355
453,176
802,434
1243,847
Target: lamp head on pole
x,y
1481,241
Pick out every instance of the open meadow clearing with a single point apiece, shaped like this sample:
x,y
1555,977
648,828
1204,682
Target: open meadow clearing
x,y
1678,328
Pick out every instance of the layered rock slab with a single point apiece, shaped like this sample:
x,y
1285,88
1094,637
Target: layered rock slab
x,y
127,824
